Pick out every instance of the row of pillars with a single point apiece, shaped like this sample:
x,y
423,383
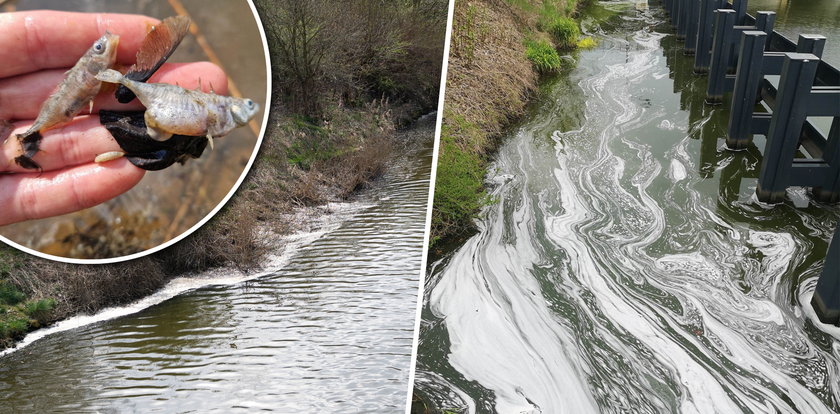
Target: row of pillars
x,y
737,52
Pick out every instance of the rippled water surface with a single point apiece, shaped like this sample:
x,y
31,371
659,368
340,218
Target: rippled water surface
x,y
626,266
330,331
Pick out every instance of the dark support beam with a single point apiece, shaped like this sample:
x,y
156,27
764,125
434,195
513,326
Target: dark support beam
x,y
826,301
680,12
721,54
789,115
705,34
739,134
829,191
693,12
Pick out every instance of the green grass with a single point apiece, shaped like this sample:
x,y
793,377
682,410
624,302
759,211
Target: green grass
x,y
564,30
13,327
543,55
38,309
10,295
459,187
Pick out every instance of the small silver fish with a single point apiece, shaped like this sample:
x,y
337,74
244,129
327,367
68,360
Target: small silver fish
x,y
171,109
76,91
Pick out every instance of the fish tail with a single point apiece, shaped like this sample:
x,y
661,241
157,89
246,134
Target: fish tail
x,y
111,76
30,142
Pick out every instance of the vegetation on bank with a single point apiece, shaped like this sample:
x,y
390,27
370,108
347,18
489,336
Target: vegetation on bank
x,y
498,51
345,77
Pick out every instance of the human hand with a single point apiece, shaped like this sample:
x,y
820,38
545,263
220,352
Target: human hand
x,y
36,48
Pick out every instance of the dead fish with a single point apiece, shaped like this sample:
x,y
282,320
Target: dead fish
x,y
76,91
159,44
171,109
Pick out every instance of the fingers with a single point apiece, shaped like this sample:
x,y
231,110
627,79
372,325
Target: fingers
x,y
21,96
76,143
34,40
30,196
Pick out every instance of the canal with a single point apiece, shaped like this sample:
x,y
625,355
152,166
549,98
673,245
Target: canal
x,y
329,329
626,265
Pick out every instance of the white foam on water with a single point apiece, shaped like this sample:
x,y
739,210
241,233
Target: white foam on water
x,y
288,246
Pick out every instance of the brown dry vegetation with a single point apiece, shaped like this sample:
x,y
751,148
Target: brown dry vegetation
x,y
369,66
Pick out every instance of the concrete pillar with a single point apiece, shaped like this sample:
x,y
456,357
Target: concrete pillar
x,y
829,192
747,81
705,34
826,301
798,72
721,54
811,43
692,24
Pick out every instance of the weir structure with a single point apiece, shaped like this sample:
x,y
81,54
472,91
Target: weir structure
x,y
738,52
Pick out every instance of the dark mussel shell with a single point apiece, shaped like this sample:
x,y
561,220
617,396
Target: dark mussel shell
x,y
129,130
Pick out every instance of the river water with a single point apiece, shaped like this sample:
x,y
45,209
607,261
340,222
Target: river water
x,y
625,265
329,330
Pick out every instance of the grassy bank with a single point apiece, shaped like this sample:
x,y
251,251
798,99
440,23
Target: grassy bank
x,y
345,79
498,51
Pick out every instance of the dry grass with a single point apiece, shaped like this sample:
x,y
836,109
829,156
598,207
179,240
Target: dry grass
x,y
490,86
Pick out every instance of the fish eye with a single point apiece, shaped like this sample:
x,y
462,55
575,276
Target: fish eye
x,y
250,103
98,47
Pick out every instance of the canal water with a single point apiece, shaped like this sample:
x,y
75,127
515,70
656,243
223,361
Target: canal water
x,y
626,265
330,330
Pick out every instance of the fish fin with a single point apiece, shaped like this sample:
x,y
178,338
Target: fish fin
x,y
160,42
210,141
212,90
28,163
30,143
90,107
158,45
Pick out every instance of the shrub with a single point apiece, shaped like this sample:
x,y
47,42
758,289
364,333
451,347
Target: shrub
x,y
13,328
39,309
565,32
543,55
9,294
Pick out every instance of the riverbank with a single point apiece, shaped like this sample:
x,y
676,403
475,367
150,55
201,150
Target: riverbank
x,y
498,52
277,199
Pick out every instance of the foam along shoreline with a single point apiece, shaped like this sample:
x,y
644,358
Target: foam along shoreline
x,y
321,220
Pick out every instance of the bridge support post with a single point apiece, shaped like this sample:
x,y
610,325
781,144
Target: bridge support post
x,y
764,21
798,72
681,21
705,34
826,300
811,43
739,134
692,24
721,54
829,192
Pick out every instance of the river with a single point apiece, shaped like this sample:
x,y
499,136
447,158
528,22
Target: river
x,y
329,329
626,265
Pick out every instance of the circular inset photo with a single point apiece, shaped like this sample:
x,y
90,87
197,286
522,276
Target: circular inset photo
x,y
124,126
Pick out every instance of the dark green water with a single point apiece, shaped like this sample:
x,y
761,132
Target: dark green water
x,y
627,266
330,329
